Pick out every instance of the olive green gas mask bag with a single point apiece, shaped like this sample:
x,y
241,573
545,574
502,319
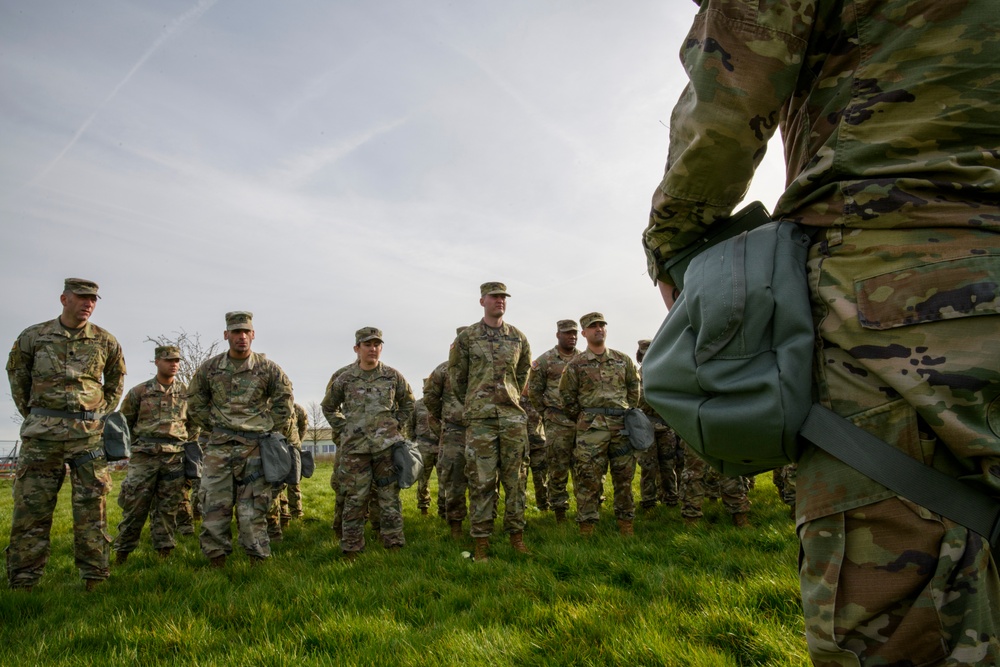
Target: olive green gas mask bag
x,y
730,368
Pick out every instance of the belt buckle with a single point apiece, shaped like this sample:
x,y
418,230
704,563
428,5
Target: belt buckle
x,y
89,415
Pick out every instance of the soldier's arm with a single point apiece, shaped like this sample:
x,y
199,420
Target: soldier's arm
x,y
19,365
114,376
282,403
433,393
331,404
536,385
458,368
199,399
301,421
569,389
633,386
404,404
130,408
523,364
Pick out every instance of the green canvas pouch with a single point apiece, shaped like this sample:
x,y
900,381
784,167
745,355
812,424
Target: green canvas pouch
x,y
730,368
275,457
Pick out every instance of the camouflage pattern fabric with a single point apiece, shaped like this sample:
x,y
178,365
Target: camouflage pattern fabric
x,y
253,397
186,510
429,445
291,507
41,470
363,476
154,481
494,454
488,368
784,482
368,411
372,514
55,368
608,380
658,479
154,485
889,114
560,430
697,482
537,458
445,414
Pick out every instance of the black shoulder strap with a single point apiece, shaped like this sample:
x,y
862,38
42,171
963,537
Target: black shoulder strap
x,y
903,474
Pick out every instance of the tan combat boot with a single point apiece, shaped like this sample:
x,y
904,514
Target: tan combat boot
x,y
625,527
517,541
741,520
456,530
586,529
482,549
560,515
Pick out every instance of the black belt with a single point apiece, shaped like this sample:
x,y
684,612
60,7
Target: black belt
x,y
612,412
248,435
160,441
88,416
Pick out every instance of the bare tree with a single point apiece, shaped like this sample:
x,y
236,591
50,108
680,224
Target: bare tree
x,y
317,422
193,352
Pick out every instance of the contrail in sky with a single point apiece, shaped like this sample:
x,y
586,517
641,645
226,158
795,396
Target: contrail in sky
x,y
189,16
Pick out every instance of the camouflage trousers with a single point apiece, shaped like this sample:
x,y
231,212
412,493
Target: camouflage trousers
x,y
233,478
784,482
429,453
41,470
277,512
596,450
494,452
189,511
658,479
359,476
154,488
452,475
885,581
560,440
338,505
539,464
696,479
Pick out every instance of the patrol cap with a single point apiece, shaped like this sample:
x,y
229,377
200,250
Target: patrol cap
x,y
566,325
644,344
493,288
367,333
592,318
168,352
239,320
80,286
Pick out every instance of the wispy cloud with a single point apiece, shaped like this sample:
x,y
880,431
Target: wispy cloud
x,y
166,34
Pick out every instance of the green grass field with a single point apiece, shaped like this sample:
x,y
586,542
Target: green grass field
x,y
712,595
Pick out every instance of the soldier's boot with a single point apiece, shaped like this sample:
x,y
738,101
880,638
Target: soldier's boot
x,y
691,521
587,529
285,520
625,527
456,530
218,562
256,561
482,549
164,553
121,557
91,584
517,541
423,511
741,520
560,515
350,556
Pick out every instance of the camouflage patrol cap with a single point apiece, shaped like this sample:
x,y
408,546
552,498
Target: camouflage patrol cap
x,y
644,344
592,318
239,320
168,352
493,288
81,286
565,325
367,333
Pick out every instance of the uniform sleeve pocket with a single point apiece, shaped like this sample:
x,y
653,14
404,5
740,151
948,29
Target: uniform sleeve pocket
x,y
943,290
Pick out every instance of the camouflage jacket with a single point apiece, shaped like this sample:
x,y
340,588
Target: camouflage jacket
x,y
543,385
421,429
441,402
889,117
154,411
298,426
610,380
536,430
367,410
51,368
488,369
654,416
256,397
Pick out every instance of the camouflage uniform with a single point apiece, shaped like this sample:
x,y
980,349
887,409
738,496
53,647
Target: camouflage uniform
x,y
784,482
287,501
368,411
488,368
889,112
428,442
698,480
157,418
444,408
560,430
596,390
238,402
536,458
658,478
56,375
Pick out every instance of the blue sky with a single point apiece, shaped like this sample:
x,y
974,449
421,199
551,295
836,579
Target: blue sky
x,y
330,165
